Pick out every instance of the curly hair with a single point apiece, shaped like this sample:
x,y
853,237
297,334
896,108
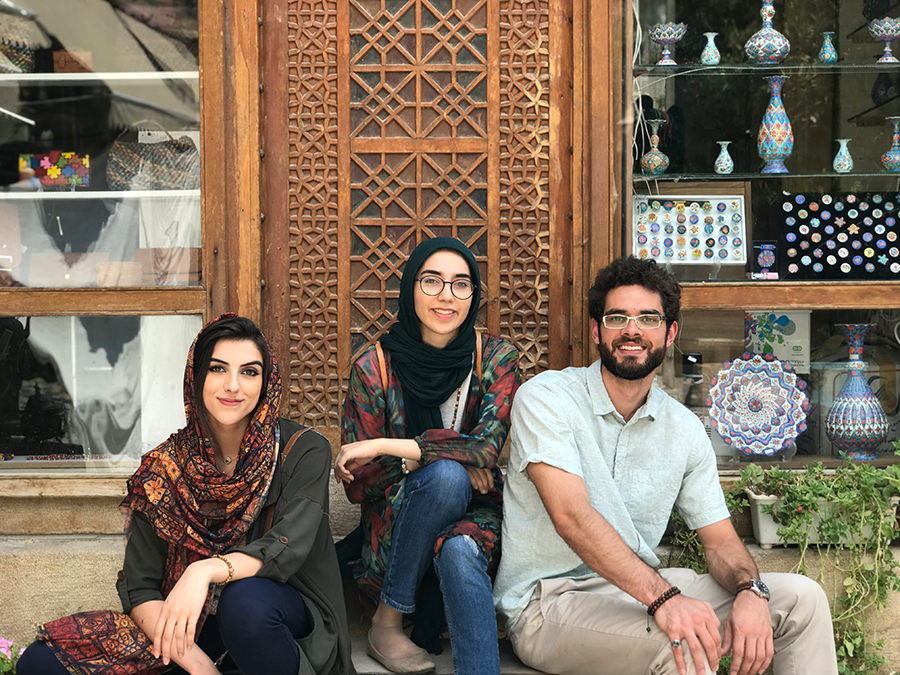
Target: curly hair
x,y
631,271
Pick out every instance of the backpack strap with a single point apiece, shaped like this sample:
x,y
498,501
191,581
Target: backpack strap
x,y
379,352
478,356
270,510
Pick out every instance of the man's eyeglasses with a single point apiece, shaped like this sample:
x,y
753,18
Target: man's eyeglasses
x,y
462,289
642,321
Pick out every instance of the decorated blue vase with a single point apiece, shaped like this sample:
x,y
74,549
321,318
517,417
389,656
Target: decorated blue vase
x,y
775,141
654,162
891,159
856,423
710,55
828,54
767,47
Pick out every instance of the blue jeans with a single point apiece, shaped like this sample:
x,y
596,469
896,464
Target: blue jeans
x,y
437,495
257,622
466,588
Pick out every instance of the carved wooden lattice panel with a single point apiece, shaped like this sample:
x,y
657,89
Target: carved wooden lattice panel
x,y
418,118
524,180
315,383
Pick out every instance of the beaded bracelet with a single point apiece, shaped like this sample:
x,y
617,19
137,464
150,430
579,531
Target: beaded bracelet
x,y
667,595
230,569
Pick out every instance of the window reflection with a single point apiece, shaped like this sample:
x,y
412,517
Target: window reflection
x,y
99,143
89,391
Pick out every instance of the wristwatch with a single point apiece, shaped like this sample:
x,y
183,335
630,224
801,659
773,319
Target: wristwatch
x,y
756,586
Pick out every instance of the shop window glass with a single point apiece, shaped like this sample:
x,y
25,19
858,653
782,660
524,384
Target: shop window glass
x,y
99,143
89,393
822,220
818,351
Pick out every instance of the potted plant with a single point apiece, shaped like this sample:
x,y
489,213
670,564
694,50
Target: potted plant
x,y
849,515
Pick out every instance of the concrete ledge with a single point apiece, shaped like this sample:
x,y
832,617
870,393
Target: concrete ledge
x,y
46,577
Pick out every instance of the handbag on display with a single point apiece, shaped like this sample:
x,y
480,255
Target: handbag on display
x,y
173,164
16,40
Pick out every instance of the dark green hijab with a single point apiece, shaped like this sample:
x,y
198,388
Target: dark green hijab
x,y
429,375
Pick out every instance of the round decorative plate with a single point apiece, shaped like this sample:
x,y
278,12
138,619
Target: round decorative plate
x,y
757,404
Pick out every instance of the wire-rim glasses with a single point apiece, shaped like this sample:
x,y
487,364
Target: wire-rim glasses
x,y
641,321
462,289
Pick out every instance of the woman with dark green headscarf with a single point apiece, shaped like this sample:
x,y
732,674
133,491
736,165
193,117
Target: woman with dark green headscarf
x,y
424,422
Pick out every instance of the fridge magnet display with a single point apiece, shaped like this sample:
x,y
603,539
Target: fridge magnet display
x,y
690,229
764,259
840,236
58,169
758,404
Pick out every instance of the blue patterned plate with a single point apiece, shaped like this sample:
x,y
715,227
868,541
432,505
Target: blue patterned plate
x,y
757,404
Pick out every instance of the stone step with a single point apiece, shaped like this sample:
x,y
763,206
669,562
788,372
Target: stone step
x,y
509,663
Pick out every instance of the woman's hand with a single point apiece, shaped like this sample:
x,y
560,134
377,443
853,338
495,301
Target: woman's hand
x,y
177,623
482,479
353,455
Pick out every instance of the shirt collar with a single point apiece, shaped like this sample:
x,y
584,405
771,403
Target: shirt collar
x,y
603,405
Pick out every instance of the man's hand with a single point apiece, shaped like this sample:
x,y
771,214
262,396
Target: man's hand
x,y
748,635
696,626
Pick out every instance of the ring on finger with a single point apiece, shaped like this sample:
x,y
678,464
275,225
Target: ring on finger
x,y
676,644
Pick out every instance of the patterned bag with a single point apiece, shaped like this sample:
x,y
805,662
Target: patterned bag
x,y
16,43
168,165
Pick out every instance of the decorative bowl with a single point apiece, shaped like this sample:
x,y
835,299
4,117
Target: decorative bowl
x,y
667,34
885,30
758,404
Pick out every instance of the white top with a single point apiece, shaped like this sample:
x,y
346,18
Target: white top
x,y
635,473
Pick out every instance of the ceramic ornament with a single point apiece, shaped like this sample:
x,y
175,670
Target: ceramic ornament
x,y
710,55
856,423
667,34
767,47
758,404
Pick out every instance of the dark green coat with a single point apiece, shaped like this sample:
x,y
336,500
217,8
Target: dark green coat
x,y
297,550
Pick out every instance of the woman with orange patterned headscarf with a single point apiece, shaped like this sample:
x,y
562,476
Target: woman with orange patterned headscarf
x,y
229,556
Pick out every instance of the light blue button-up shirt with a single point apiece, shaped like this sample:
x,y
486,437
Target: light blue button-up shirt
x,y
635,472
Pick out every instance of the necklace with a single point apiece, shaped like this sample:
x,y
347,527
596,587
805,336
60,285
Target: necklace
x,y
456,408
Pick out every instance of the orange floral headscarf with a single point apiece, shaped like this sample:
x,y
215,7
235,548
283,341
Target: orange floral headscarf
x,y
198,510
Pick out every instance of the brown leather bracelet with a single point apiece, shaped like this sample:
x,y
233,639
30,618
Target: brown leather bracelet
x,y
667,595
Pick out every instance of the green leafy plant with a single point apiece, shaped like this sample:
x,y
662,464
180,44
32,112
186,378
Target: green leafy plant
x,y
851,512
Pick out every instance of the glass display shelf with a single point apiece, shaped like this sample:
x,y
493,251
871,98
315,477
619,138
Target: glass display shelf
x,y
675,177
807,68
154,76
99,194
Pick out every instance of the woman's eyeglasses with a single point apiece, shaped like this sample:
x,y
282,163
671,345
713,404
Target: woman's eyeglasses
x,y
462,289
642,321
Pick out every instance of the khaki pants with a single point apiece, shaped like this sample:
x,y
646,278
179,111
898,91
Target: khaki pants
x,y
592,627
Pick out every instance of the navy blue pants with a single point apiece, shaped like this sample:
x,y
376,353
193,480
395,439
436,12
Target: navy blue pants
x,y
258,622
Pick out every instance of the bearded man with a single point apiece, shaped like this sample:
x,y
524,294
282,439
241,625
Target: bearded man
x,y
599,457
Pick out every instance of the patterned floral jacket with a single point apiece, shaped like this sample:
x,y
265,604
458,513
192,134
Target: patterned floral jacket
x,y
379,485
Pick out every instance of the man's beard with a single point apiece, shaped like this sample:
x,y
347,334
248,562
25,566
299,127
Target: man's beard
x,y
630,369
